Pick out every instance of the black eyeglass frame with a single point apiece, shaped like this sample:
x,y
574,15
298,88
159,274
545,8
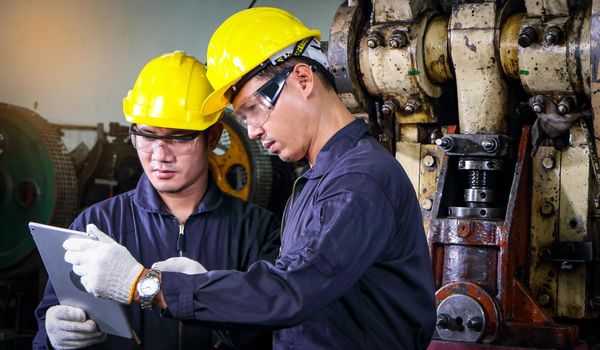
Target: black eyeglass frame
x,y
180,138
271,90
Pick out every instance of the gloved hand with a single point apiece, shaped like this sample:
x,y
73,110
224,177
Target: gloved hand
x,y
69,328
107,269
179,264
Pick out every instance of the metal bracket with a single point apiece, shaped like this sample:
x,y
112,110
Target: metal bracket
x,y
567,253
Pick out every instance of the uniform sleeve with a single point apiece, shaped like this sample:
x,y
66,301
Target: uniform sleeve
x,y
267,231
340,240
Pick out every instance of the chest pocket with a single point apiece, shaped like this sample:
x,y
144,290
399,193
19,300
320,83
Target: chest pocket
x,y
302,244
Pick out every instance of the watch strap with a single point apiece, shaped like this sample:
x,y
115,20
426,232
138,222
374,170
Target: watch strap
x,y
146,300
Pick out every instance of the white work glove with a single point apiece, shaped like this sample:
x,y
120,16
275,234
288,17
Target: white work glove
x,y
107,269
179,264
69,328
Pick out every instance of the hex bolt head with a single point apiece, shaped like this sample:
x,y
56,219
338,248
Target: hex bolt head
x,y
475,323
543,299
548,162
374,39
398,39
553,35
428,160
388,107
537,104
527,37
427,204
546,208
489,145
411,106
566,105
446,143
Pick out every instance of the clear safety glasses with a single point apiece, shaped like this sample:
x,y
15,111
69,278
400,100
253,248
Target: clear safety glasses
x,y
177,145
256,109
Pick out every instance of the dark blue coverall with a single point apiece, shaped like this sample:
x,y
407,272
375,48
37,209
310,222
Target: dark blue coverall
x,y
354,270
222,233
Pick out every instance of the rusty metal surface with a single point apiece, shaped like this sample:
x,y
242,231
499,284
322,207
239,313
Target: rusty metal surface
x,y
574,195
481,89
430,165
408,155
397,75
483,298
464,231
437,56
550,8
341,56
393,10
544,67
594,65
544,218
508,45
470,263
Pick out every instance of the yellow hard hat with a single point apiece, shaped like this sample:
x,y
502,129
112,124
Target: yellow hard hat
x,y
244,41
169,93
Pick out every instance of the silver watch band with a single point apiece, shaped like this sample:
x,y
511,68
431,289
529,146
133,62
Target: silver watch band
x,y
146,300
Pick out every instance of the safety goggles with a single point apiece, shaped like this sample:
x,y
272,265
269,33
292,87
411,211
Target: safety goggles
x,y
177,145
256,109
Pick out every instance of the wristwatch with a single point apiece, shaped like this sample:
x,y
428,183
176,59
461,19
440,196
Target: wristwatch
x,y
147,287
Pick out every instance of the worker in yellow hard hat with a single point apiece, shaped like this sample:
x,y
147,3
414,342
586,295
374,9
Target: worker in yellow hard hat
x,y
176,220
354,270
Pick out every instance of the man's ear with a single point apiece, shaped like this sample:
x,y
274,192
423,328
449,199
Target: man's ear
x,y
214,134
305,76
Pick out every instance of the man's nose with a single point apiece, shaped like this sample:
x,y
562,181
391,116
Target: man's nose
x,y
161,151
254,132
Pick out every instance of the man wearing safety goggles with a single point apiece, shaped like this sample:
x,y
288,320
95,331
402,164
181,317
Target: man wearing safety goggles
x,y
354,269
176,220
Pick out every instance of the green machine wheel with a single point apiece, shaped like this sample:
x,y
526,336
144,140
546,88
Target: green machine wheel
x,y
37,180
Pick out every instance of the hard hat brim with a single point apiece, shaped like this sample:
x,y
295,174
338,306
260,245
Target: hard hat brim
x,y
216,101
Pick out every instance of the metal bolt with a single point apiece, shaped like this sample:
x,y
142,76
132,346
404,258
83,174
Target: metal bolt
x,y
566,105
546,208
489,145
445,143
548,162
543,299
435,134
398,39
411,106
427,204
537,104
445,321
374,39
428,160
527,37
388,107
475,323
553,35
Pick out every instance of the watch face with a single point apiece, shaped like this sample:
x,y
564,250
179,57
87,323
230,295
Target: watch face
x,y
149,286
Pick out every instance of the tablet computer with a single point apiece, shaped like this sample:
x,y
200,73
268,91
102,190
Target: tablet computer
x,y
108,314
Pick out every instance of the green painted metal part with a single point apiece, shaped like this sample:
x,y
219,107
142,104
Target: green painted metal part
x,y
37,180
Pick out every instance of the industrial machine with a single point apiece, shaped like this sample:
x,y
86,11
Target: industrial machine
x,y
492,109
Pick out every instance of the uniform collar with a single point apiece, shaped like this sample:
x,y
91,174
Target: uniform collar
x,y
336,146
146,197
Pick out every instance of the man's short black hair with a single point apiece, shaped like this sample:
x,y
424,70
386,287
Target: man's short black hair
x,y
326,77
